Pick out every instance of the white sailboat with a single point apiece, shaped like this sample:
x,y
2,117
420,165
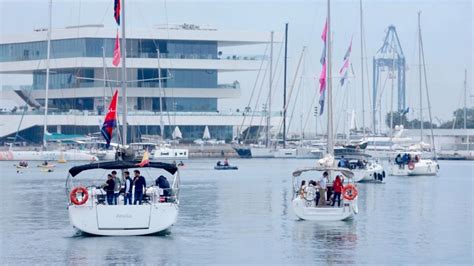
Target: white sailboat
x,y
410,162
303,200
86,204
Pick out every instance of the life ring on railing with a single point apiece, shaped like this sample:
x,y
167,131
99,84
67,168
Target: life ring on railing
x,y
349,192
411,165
73,195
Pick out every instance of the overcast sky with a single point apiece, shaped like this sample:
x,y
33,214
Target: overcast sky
x,y
447,28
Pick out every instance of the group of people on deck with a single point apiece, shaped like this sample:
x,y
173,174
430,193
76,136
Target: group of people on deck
x,y
345,163
324,192
405,159
113,187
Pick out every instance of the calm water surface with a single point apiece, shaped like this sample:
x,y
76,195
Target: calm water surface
x,y
245,216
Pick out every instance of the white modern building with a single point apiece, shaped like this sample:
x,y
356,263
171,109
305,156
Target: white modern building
x,y
82,80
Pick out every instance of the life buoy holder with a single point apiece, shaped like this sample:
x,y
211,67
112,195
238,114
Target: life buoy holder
x,y
349,192
411,165
73,195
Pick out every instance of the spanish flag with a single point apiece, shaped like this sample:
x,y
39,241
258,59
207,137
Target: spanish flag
x,y
145,159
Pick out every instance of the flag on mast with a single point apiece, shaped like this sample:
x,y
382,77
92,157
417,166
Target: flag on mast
x,y
117,11
116,60
110,120
322,77
345,66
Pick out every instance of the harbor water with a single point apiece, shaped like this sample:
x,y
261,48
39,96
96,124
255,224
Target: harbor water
x,y
245,216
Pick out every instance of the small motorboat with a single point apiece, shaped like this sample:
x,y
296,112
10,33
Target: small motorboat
x,y
225,167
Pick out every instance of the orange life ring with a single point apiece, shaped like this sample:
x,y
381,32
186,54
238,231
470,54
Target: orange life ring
x,y
73,195
411,165
349,192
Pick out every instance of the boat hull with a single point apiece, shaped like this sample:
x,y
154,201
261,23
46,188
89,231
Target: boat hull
x,y
226,167
324,214
123,220
422,168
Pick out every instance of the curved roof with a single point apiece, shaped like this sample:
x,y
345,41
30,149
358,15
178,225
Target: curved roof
x,y
116,165
344,171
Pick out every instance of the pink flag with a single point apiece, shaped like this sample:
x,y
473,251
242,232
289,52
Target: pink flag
x,y
116,60
322,79
345,66
325,32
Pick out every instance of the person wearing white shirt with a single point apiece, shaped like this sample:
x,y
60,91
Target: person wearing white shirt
x,y
322,189
128,188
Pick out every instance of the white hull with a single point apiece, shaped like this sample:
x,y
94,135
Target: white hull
x,y
327,213
369,174
423,167
292,153
46,156
123,220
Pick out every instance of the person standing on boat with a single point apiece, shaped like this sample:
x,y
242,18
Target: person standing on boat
x,y
302,188
140,184
322,189
109,187
128,189
118,186
337,187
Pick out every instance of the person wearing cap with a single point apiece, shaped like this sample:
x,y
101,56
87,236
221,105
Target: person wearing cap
x,y
140,184
128,189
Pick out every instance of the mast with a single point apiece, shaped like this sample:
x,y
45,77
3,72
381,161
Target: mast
x,y
391,98
427,92
48,56
124,77
104,69
329,85
465,99
269,115
284,85
162,126
362,67
419,69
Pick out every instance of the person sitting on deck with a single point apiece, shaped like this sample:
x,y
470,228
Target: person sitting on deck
x,y
45,163
219,163
109,187
140,184
226,162
163,183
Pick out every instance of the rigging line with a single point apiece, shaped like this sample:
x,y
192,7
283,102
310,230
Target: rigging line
x,y
25,109
295,103
253,90
258,99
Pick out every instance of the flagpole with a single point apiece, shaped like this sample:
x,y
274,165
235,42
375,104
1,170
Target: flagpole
x,y
123,51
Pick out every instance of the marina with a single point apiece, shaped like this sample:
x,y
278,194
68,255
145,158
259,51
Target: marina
x,y
295,140
249,211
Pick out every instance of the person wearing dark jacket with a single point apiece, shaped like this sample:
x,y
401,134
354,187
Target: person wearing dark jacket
x,y
109,187
140,184
163,183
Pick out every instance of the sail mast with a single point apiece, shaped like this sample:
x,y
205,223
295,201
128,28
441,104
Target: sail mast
x,y
48,56
329,85
162,126
123,50
284,85
419,69
269,115
362,68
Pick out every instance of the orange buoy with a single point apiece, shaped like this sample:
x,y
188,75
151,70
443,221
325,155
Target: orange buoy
x,y
73,195
349,192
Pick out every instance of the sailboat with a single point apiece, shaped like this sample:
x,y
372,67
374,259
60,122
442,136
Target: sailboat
x,y
304,196
158,204
410,162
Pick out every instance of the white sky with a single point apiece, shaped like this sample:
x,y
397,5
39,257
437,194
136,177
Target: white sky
x,y
447,28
